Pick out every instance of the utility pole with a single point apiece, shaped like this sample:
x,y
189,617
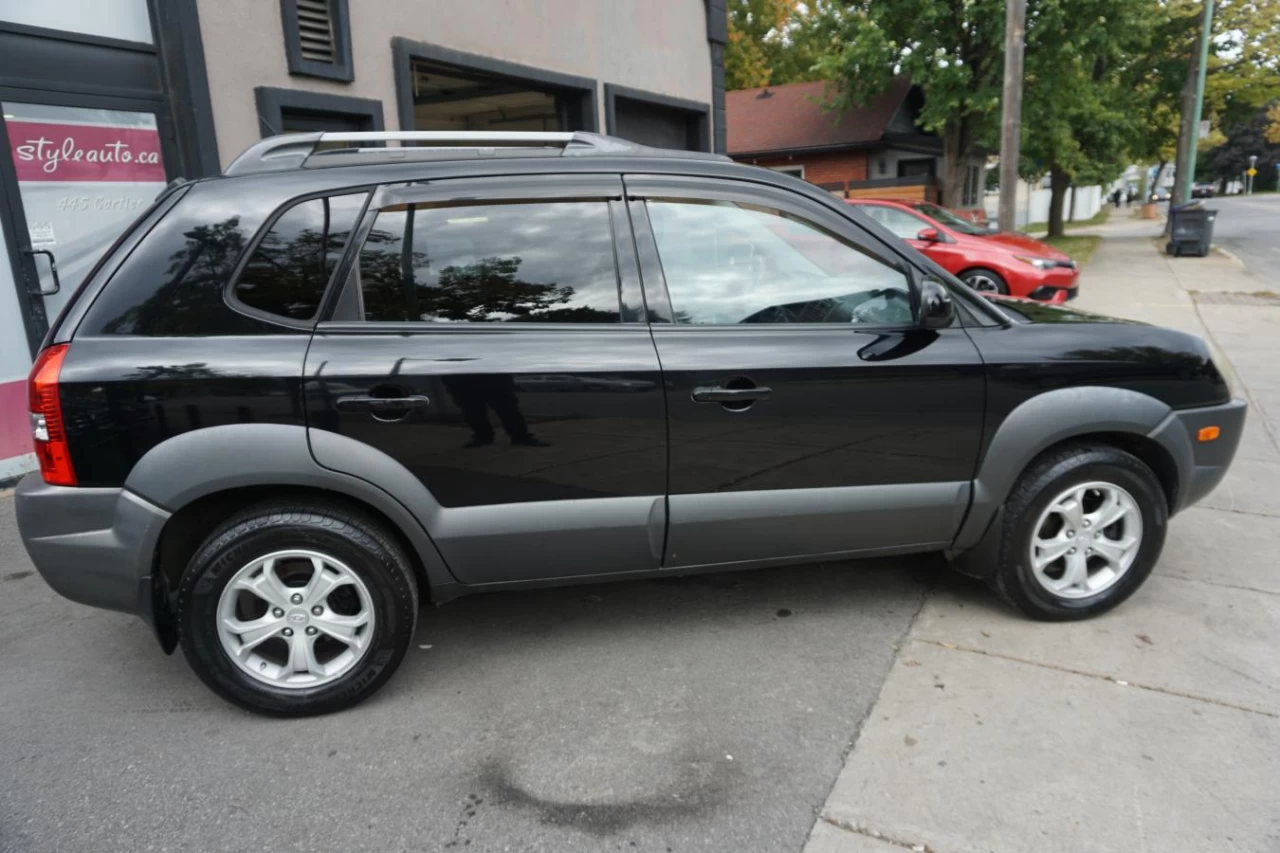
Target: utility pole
x,y
1253,170
1015,40
1205,32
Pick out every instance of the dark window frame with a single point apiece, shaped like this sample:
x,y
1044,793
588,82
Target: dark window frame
x,y
717,38
237,270
915,161
342,68
273,103
642,188
607,218
404,51
699,112
545,188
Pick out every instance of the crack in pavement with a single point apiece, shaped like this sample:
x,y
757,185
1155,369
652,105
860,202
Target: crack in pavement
x,y
859,829
1237,511
1186,579
1100,676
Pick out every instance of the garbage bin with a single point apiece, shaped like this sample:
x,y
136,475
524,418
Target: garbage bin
x,y
1191,231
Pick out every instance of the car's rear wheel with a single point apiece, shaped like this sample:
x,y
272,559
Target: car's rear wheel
x,y
292,609
985,281
1083,529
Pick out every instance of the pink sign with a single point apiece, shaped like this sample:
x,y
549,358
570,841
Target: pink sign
x,y
49,151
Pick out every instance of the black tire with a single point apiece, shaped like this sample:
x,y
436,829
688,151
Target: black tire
x,y
1040,484
1002,287
360,543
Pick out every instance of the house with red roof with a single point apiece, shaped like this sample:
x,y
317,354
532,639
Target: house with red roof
x,y
874,150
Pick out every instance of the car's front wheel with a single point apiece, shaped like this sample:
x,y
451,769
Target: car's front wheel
x,y
1083,529
985,281
293,609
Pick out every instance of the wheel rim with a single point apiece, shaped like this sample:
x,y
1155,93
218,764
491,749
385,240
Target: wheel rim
x,y
295,619
1086,540
982,283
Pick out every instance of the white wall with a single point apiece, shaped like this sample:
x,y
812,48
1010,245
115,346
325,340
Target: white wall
x,y
1033,203
658,46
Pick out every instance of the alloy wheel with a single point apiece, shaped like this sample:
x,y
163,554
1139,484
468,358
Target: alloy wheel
x,y
982,283
1086,539
295,619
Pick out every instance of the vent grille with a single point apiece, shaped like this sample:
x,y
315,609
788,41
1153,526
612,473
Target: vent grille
x,y
315,30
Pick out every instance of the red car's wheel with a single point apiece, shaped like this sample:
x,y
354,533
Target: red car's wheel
x,y
985,281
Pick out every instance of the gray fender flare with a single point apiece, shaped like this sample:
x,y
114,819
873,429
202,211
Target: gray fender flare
x,y
215,459
1051,417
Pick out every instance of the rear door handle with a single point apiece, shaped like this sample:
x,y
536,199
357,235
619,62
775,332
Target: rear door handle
x,y
717,394
380,405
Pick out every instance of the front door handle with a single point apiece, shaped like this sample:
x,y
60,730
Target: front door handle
x,y
381,405
718,394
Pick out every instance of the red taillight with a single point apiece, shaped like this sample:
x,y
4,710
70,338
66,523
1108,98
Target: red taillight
x,y
46,418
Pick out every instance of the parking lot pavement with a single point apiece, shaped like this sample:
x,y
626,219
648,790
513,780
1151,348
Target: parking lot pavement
x,y
1153,727
709,713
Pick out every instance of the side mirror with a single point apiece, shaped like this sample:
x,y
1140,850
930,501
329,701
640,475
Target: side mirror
x,y
928,235
936,309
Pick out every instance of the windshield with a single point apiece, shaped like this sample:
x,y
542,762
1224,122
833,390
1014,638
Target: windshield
x,y
949,219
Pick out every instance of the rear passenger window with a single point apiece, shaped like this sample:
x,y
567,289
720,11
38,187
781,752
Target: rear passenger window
x,y
542,262
287,272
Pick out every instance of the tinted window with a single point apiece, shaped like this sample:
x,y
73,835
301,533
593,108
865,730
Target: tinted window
x,y
728,262
173,284
288,271
901,223
548,262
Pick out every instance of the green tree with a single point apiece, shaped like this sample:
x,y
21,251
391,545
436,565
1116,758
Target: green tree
x,y
1228,160
771,42
951,48
1272,131
1082,111
1241,75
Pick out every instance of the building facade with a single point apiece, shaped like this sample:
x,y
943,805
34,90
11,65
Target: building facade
x,y
105,101
876,150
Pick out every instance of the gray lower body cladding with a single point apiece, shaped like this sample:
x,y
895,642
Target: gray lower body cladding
x,y
1201,465
93,546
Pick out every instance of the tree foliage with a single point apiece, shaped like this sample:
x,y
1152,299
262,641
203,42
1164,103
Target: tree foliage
x,y
1252,138
1086,62
953,49
1105,80
1272,130
771,42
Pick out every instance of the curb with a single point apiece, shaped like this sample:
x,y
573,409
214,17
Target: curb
x,y
1232,256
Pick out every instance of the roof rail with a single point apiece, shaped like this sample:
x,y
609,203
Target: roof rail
x,y
292,150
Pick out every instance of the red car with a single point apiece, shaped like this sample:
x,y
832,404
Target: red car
x,y
990,261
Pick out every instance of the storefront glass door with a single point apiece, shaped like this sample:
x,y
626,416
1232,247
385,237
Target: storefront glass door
x,y
82,175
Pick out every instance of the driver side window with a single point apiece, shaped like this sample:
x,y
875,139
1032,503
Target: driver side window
x,y
732,262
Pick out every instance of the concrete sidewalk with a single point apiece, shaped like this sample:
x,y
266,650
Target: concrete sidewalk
x,y
1155,727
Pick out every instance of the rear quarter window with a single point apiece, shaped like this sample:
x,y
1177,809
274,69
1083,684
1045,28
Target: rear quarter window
x,y
288,270
174,284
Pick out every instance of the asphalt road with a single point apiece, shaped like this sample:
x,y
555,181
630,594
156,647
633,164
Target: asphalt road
x,y
705,714
1249,227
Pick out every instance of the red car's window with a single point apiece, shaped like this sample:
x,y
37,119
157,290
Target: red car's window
x,y
901,223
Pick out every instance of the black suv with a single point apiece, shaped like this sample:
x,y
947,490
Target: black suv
x,y
294,402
